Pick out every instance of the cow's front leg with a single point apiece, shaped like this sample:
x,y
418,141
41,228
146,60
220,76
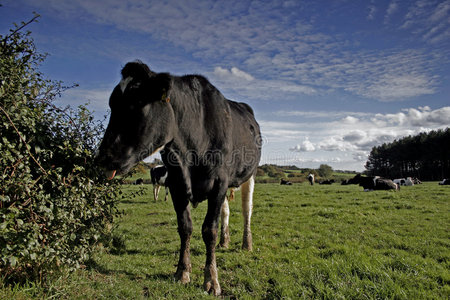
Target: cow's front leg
x,y
209,234
185,231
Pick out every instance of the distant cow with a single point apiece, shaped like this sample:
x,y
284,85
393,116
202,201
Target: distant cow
x,y
399,181
375,183
207,143
354,180
416,180
445,182
285,182
158,175
139,181
405,182
311,178
327,182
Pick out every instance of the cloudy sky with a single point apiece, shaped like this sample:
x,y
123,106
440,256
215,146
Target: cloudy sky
x,y
328,80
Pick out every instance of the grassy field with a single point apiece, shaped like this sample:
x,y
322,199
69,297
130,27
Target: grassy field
x,y
332,242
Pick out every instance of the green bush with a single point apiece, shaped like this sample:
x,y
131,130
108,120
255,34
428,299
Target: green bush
x,y
54,203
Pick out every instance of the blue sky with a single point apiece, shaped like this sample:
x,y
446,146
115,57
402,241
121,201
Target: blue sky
x,y
328,80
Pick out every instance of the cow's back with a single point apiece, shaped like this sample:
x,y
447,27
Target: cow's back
x,y
246,141
221,136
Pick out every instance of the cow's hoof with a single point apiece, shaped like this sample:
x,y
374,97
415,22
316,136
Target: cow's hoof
x,y
224,242
247,247
182,276
223,245
212,287
247,243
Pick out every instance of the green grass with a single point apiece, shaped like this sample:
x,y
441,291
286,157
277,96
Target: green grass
x,y
333,242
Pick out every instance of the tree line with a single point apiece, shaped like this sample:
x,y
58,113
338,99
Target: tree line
x,y
425,156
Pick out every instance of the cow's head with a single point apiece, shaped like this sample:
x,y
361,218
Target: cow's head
x,y
141,121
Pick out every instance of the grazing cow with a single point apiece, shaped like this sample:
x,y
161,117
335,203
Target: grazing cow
x,y
327,181
285,182
445,182
158,175
139,181
207,142
375,183
311,178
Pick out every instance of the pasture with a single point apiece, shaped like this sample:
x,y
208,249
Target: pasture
x,y
332,242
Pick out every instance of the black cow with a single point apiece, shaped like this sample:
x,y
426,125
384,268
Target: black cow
x,y
445,182
331,181
374,183
158,175
354,180
207,143
285,182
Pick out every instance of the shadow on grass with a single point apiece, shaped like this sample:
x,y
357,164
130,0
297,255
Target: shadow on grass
x,y
92,265
134,202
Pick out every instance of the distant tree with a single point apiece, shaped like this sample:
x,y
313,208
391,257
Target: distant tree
x,y
141,168
273,171
426,155
260,172
325,171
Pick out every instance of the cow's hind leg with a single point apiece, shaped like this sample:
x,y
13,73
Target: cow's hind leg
x,y
247,207
185,232
167,193
156,188
209,234
224,221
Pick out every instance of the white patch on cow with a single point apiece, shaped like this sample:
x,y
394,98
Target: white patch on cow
x,y
375,180
225,215
157,150
224,221
247,207
124,83
162,179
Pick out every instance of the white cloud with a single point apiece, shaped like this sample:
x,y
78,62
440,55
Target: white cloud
x,y
429,20
306,146
372,11
391,87
97,100
233,74
412,117
349,138
392,9
279,49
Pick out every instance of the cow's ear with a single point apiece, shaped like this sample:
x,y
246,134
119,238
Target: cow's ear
x,y
137,70
160,86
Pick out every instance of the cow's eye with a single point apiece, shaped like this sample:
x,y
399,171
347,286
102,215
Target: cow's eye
x,y
135,85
